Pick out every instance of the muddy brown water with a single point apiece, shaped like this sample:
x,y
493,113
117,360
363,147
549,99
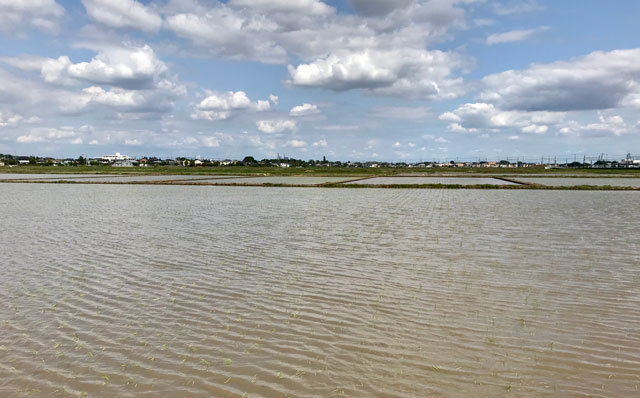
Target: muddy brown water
x,y
167,291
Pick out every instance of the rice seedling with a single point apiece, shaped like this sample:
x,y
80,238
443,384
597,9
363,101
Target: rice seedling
x,y
339,391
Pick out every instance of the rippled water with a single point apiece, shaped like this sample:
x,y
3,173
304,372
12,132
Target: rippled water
x,y
432,180
111,178
20,176
567,182
290,180
167,291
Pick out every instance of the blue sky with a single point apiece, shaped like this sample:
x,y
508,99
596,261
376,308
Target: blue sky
x,y
395,80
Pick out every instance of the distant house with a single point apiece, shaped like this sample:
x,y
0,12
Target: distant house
x,y
284,165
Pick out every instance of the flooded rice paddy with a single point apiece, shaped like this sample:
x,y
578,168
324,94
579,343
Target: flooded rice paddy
x,y
212,179
21,176
293,180
168,291
432,180
110,178
569,182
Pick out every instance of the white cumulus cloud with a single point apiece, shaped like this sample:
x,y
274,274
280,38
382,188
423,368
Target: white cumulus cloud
x,y
320,144
223,31
123,14
304,110
17,15
45,134
10,119
605,126
313,7
400,72
296,144
221,106
482,117
275,126
128,67
600,80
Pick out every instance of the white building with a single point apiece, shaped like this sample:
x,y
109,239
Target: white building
x,y
630,163
114,158
124,163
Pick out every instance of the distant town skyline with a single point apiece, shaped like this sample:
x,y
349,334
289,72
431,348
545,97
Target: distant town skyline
x,y
359,80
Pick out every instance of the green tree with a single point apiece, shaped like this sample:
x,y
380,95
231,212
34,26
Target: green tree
x,y
249,160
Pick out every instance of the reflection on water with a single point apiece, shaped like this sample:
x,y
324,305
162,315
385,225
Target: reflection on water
x,y
166,291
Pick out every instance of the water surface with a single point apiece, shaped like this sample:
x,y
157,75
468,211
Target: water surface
x,y
568,182
20,176
148,291
288,180
432,180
